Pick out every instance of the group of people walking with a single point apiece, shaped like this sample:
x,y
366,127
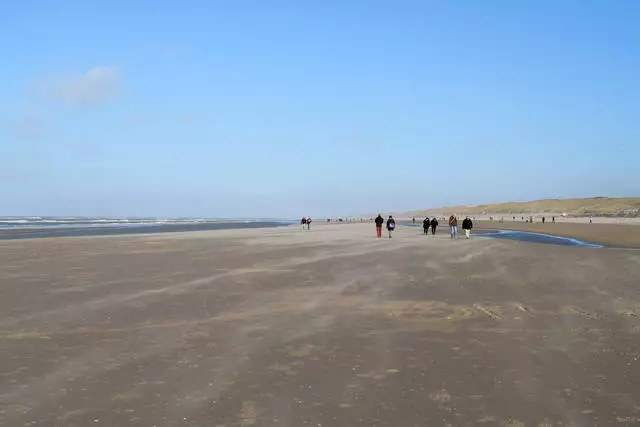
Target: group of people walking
x,y
306,222
433,224
427,224
391,225
467,225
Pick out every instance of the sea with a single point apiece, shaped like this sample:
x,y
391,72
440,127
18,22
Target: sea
x,y
21,227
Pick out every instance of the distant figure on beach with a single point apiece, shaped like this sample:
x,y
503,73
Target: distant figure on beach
x,y
391,225
514,219
531,219
414,220
379,222
467,225
553,219
434,224
543,219
425,225
308,223
453,226
590,219
303,221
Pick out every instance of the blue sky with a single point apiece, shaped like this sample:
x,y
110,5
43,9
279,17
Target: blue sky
x,y
285,108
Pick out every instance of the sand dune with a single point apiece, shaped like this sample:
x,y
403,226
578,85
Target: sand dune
x,y
579,207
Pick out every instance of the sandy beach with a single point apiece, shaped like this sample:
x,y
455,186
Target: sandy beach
x,y
332,327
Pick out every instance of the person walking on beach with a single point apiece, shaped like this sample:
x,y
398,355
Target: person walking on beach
x,y
590,219
467,225
434,224
414,219
379,221
303,222
453,226
309,223
553,219
391,225
543,219
425,225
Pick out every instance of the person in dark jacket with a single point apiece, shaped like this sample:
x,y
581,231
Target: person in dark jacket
x,y
425,225
467,225
453,226
391,225
434,224
379,222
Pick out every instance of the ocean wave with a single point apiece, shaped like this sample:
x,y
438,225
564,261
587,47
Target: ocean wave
x,y
29,223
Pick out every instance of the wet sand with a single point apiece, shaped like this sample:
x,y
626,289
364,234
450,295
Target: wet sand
x,y
29,231
612,235
280,327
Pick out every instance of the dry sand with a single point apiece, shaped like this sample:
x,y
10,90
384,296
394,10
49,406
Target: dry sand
x,y
279,327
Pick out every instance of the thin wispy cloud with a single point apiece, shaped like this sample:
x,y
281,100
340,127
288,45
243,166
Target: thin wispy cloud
x,y
137,120
188,118
24,174
170,50
97,86
29,127
86,148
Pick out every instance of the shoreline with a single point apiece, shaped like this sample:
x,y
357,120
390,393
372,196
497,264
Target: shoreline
x,y
31,231
47,233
